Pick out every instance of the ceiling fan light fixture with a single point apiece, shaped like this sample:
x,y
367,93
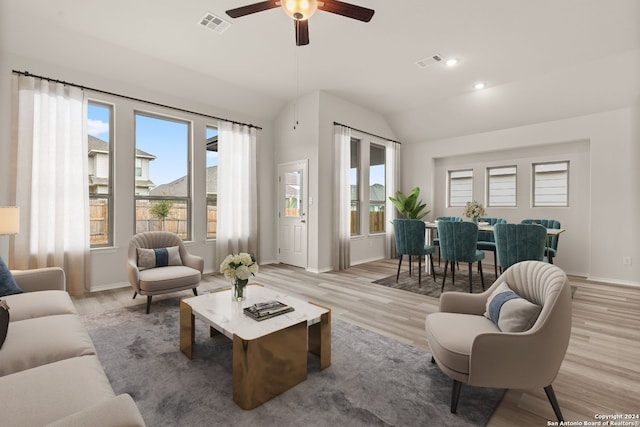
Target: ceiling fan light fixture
x,y
299,9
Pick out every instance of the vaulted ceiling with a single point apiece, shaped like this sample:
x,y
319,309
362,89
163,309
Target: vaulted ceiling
x,y
542,60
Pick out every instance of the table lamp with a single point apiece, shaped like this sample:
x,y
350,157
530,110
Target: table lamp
x,y
9,220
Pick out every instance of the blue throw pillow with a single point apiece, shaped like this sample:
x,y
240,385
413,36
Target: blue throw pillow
x,y
509,311
8,285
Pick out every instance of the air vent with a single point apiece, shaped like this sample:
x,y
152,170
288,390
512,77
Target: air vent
x,y
215,23
430,61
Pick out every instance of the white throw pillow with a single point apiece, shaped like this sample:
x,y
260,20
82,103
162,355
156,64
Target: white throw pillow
x,y
509,311
162,257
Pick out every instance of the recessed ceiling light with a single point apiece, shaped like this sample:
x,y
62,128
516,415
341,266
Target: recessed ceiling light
x,y
452,62
479,85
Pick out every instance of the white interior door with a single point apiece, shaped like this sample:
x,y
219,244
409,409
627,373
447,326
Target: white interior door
x,y
292,211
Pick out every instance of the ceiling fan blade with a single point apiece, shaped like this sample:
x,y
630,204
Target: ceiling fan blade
x,y
346,9
252,8
302,32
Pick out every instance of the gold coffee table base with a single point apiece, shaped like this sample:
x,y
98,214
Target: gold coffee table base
x,y
271,364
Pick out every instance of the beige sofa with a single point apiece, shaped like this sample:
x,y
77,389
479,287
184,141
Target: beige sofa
x,y
50,374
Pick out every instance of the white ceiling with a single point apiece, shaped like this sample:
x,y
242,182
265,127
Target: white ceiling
x,y
543,60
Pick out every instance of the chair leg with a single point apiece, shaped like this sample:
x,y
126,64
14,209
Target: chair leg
x,y
481,275
495,263
195,291
135,294
444,276
554,402
453,272
419,271
410,267
148,303
433,270
455,395
399,264
470,281
433,360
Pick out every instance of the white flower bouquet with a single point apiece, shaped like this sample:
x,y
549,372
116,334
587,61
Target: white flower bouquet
x,y
474,210
239,266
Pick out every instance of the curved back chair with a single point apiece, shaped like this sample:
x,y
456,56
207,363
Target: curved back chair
x,y
436,240
471,348
159,263
519,242
410,235
486,240
552,244
458,242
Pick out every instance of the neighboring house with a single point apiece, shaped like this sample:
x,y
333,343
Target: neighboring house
x,y
99,168
178,187
376,195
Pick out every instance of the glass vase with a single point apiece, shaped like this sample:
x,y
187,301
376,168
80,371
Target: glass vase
x,y
239,290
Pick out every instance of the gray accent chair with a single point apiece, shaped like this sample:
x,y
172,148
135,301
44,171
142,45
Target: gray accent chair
x,y
471,349
162,280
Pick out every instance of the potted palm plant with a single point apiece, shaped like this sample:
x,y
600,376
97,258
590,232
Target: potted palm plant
x,y
409,206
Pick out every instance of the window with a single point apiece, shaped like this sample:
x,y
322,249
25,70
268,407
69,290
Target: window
x,y
355,186
377,194
501,186
460,187
162,190
212,181
99,125
551,184
138,166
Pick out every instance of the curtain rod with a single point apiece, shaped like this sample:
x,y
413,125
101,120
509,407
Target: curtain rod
x,y
368,133
49,79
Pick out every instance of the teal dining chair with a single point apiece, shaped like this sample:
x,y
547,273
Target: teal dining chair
x,y
519,242
436,240
486,241
410,240
552,245
458,242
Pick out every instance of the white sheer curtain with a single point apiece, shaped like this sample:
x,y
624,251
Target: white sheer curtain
x,y
392,176
52,180
237,191
342,243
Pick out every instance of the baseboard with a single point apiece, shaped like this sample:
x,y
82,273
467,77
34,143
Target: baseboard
x,y
109,287
613,281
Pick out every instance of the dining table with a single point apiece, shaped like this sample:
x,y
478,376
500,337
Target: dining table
x,y
432,227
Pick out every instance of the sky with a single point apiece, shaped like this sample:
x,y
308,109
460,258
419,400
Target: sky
x,y
167,140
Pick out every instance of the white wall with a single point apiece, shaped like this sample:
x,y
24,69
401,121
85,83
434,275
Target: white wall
x,y
313,139
598,236
108,265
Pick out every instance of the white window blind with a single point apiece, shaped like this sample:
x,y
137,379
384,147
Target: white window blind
x,y
460,187
551,184
501,186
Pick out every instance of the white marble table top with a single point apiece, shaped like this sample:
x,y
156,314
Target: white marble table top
x,y
227,317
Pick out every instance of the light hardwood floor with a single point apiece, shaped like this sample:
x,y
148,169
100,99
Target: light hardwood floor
x,y
600,373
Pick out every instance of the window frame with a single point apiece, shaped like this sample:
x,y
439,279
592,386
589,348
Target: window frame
x,y
381,204
186,200
109,223
515,186
534,175
450,189
356,229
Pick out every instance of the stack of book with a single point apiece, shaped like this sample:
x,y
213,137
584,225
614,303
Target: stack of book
x,y
267,309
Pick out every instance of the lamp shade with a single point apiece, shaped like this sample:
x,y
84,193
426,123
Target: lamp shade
x,y
9,220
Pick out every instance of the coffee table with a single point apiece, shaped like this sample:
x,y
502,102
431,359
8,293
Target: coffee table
x,y
269,356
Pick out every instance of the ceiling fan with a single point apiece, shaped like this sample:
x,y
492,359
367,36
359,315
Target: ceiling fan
x,y
301,11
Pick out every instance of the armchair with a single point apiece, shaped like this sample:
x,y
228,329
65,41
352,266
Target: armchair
x,y
159,263
471,349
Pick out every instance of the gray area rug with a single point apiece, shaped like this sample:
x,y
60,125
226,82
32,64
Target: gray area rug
x,y
431,288
372,381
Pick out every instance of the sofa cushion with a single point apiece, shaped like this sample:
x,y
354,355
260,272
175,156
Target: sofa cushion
x,y
119,411
35,342
37,304
509,311
453,350
159,257
160,279
49,392
8,285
